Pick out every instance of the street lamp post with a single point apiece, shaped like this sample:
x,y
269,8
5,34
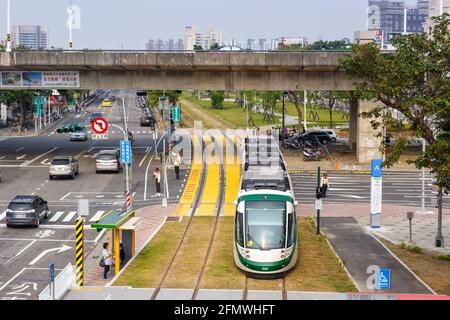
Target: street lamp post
x,y
284,111
304,111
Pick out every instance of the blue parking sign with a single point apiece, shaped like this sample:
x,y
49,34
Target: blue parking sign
x,y
377,168
125,151
383,279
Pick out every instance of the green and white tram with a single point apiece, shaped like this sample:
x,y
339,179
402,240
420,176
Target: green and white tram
x,y
265,223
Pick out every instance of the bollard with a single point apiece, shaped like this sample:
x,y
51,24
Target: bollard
x,y
79,236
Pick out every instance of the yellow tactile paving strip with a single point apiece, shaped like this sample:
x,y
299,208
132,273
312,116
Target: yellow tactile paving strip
x,y
208,202
192,185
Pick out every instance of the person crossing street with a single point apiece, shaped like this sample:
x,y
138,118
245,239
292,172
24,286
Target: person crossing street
x,y
176,164
324,185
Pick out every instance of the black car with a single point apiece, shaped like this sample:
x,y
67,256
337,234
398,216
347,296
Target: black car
x,y
26,211
322,137
147,121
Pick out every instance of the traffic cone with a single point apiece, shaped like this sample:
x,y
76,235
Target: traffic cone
x,y
338,165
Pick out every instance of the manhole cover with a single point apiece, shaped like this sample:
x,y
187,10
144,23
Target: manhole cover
x,y
173,219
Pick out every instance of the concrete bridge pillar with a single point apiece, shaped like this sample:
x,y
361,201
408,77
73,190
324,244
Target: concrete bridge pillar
x,y
368,146
353,116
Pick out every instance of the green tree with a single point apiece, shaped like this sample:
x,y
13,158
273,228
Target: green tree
x,y
270,100
330,45
215,46
414,81
217,99
198,47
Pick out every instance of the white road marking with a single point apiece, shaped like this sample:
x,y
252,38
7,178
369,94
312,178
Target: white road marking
x,y
45,162
56,216
146,155
146,178
69,216
20,149
2,215
23,250
1,158
43,253
12,279
97,216
25,164
21,157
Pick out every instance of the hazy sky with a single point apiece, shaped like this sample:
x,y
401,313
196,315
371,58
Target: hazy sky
x,y
111,24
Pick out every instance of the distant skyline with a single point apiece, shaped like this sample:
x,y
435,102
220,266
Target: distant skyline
x,y
115,24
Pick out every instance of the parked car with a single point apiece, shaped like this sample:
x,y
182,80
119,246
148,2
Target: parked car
x,y
108,160
79,135
95,115
65,166
322,137
333,135
26,211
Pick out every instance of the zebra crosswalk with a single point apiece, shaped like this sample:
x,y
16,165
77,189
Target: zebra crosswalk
x,y
65,217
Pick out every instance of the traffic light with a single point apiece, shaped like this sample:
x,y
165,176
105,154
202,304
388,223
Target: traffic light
x,y
318,193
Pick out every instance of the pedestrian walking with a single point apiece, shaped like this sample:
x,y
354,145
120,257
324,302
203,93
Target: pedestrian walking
x,y
324,184
157,175
176,164
106,256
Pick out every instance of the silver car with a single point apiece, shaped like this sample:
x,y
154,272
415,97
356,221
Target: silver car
x,y
64,166
79,135
107,160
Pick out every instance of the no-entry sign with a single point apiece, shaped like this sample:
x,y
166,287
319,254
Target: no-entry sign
x,y
99,126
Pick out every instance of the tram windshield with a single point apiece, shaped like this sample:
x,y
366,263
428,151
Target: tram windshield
x,y
265,224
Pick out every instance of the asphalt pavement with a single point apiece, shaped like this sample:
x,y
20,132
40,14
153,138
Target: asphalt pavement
x,y
399,188
24,165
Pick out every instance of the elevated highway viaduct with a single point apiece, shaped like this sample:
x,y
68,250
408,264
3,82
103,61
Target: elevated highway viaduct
x,y
216,70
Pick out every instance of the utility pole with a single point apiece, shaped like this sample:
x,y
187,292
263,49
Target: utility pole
x,y
284,111
127,173
8,27
304,111
440,236
318,200
164,201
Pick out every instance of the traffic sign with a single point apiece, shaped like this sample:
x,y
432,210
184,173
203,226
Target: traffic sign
x,y
52,272
383,279
100,136
100,125
176,114
125,151
319,204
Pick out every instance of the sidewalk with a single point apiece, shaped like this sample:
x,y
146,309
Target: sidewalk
x,y
359,250
152,219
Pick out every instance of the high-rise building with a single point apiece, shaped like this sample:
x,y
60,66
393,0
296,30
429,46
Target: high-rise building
x,y
203,39
189,38
389,17
434,9
162,45
31,37
287,41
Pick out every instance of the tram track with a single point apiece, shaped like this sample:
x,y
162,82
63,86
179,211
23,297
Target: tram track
x,y
195,206
283,287
185,232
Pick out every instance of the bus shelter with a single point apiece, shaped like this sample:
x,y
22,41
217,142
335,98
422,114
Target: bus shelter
x,y
122,228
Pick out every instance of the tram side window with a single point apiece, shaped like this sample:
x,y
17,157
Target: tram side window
x,y
291,229
239,228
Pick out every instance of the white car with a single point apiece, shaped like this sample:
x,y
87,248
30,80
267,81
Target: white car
x,y
79,136
331,133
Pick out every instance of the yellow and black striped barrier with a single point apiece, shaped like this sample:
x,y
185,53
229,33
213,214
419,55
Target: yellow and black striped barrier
x,y
79,236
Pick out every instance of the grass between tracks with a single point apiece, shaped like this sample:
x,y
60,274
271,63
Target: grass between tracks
x,y
147,269
432,268
317,270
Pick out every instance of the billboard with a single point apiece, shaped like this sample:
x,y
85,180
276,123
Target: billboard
x,y
40,79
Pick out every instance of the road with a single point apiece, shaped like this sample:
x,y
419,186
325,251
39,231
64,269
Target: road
x,y
399,188
24,164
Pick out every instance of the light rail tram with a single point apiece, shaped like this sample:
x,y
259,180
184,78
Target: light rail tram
x,y
265,236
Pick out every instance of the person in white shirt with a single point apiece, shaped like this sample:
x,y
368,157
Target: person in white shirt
x,y
176,164
106,256
157,175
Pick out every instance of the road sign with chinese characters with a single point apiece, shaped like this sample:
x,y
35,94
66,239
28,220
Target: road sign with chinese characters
x,y
125,151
